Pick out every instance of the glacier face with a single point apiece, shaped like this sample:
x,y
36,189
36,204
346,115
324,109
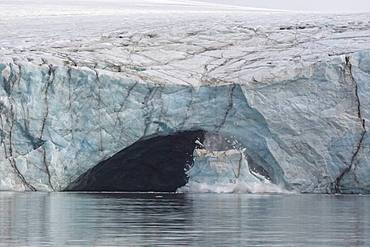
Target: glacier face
x,y
291,90
308,131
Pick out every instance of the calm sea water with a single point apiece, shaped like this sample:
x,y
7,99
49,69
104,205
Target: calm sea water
x,y
78,219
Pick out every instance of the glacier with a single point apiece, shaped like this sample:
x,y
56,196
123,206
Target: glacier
x,y
289,91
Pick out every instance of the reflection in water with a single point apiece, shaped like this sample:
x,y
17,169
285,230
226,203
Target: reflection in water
x,y
78,219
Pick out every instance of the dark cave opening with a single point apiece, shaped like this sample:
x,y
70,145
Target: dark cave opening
x,y
155,164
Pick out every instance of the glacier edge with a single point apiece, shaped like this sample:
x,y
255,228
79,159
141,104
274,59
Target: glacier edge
x,y
59,121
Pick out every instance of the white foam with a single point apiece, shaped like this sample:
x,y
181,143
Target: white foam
x,y
237,187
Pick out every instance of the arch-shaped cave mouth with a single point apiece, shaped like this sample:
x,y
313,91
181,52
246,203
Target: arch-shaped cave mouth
x,y
155,164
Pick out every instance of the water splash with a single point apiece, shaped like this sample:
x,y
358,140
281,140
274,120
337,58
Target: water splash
x,y
236,187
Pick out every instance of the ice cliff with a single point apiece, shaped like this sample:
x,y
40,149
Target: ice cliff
x,y
292,95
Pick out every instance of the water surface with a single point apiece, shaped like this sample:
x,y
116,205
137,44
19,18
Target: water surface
x,y
78,219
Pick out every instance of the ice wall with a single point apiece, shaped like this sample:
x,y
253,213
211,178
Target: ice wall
x,y
306,126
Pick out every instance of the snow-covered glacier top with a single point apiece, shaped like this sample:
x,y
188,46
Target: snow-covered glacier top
x,y
176,41
82,80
